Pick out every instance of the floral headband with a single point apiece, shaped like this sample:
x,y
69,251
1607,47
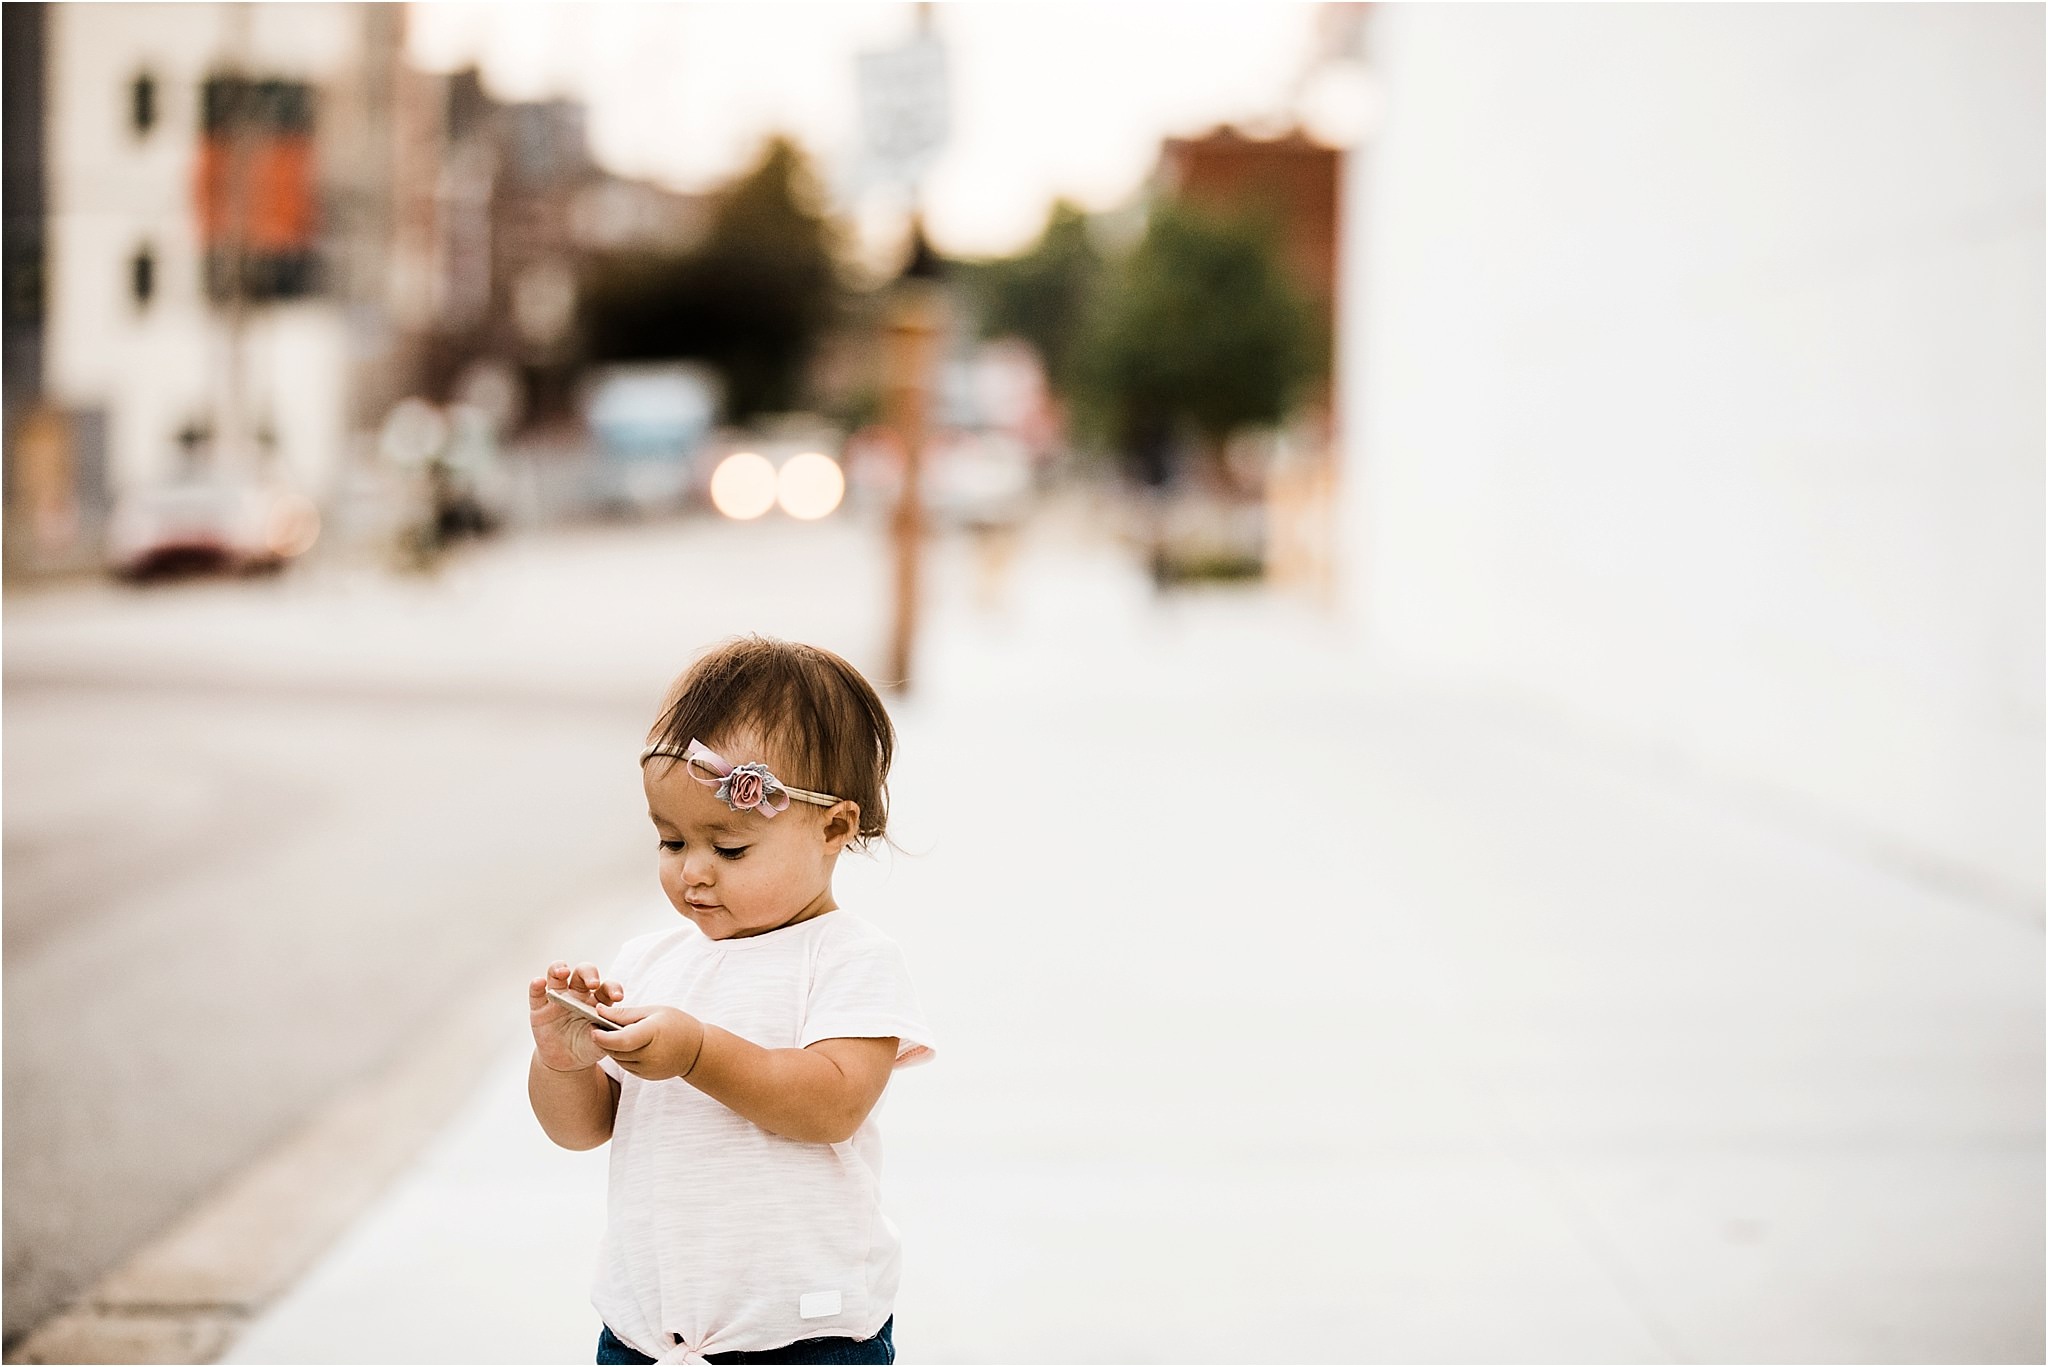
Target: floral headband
x,y
743,787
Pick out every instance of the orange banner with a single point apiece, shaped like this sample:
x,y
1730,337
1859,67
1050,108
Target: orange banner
x,y
279,210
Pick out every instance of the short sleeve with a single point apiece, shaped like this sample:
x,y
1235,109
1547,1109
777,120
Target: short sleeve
x,y
861,989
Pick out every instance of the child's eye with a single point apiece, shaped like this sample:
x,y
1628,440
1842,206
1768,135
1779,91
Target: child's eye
x,y
724,851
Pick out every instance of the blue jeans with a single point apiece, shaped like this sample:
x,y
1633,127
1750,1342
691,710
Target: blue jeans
x,y
881,1348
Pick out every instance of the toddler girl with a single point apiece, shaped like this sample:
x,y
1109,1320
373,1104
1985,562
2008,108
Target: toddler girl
x,y
754,1039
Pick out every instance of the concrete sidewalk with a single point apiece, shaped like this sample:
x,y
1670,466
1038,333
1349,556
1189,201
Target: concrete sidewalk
x,y
1286,1015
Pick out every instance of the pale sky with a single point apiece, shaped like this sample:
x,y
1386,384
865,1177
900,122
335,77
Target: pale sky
x,y
1047,97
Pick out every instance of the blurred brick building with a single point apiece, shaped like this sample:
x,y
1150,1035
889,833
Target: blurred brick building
x,y
1290,181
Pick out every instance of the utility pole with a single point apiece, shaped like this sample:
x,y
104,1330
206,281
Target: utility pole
x,y
903,97
915,324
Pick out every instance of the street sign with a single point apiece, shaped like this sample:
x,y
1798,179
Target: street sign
x,y
903,108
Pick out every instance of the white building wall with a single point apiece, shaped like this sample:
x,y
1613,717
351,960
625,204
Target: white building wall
x,y
159,367
1697,390
305,349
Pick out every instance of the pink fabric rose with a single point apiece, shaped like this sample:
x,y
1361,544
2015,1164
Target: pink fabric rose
x,y
745,790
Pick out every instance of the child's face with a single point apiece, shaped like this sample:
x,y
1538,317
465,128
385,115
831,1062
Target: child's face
x,y
740,873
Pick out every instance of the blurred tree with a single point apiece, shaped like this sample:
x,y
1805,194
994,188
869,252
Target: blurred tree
x,y
752,299
1043,295
1200,328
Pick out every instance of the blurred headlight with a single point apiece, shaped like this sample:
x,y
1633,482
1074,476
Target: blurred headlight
x,y
810,486
743,486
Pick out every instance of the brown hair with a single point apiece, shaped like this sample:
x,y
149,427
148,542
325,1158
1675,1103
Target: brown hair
x,y
822,723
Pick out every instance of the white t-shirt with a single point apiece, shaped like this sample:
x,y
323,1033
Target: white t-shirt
x,y
719,1235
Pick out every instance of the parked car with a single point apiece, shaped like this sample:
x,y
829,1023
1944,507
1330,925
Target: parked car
x,y
208,524
647,422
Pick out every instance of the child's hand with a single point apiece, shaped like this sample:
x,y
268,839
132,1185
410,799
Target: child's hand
x,y
658,1041
560,1036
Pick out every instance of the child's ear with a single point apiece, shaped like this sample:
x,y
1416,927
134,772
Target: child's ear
x,y
842,823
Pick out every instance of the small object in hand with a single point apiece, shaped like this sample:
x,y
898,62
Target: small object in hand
x,y
583,1009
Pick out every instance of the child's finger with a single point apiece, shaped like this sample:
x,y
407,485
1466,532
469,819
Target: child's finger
x,y
587,976
612,1039
636,1035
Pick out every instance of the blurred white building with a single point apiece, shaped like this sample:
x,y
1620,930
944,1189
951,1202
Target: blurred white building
x,y
147,357
1694,384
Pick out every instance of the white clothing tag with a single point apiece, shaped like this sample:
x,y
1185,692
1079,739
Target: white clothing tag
x,y
818,1305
